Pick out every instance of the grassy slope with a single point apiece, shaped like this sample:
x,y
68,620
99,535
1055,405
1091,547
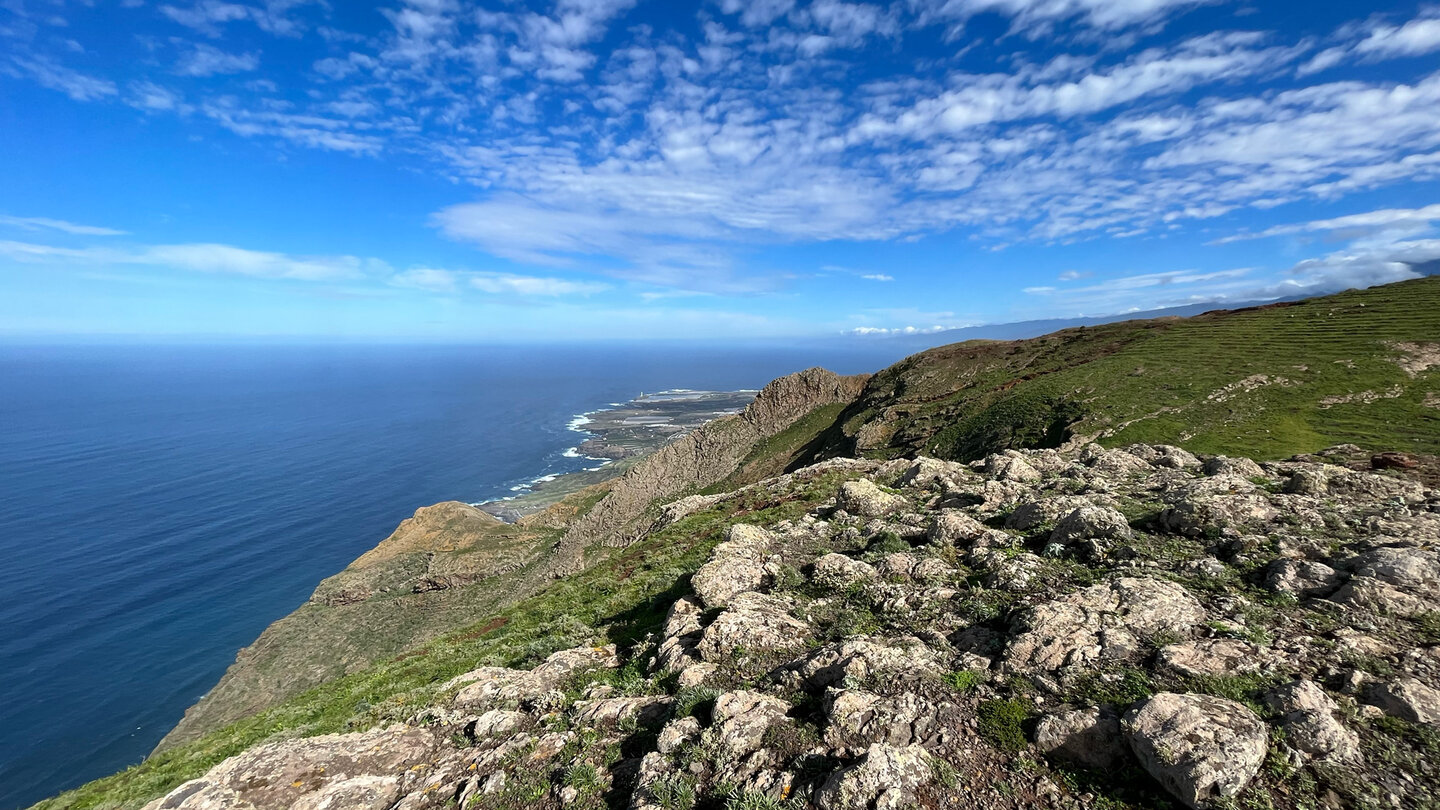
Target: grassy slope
x,y
619,601
1166,381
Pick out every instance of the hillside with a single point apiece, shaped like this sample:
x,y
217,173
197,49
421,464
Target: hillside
x,y
1265,382
955,573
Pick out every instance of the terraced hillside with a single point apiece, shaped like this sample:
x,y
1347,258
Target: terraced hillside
x,y
1266,382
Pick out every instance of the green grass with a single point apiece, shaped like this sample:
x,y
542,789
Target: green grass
x,y
619,601
1001,723
1173,381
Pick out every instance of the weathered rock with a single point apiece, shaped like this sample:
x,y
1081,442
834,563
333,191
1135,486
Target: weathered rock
x,y
487,687
1094,529
886,778
1216,503
1407,699
1090,737
614,711
1201,748
1011,466
838,572
1213,656
753,624
497,722
858,719
864,498
1103,622
677,733
741,718
953,527
1176,458
1302,578
861,658
925,472
1308,718
736,566
325,771
1242,467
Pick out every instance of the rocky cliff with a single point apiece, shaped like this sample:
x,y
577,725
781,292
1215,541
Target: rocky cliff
x,y
1135,627
453,561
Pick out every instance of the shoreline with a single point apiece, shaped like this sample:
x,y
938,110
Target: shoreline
x,y
616,437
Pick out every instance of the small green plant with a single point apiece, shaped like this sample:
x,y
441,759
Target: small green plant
x,y
673,792
964,680
693,701
945,774
887,542
753,800
583,776
1116,687
1000,723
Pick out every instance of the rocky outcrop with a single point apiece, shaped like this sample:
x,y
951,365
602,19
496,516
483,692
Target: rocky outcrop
x,y
891,647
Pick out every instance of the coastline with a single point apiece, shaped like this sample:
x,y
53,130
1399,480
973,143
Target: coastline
x,y
615,437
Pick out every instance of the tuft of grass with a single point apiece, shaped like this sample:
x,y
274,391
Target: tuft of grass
x,y
964,680
1001,723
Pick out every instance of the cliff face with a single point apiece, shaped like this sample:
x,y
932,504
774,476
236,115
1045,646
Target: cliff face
x,y
435,571
452,562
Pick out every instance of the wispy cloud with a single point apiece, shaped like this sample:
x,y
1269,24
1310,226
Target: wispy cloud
x,y
510,284
207,60
45,223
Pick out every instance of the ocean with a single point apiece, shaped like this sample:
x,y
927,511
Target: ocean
x,y
160,505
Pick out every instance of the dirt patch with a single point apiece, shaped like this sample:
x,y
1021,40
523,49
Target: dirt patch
x,y
1361,397
488,627
1417,358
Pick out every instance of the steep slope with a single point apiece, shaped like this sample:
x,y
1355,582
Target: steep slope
x,y
1266,382
451,562
1135,628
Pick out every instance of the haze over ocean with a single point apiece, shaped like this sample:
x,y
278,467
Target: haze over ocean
x,y
163,504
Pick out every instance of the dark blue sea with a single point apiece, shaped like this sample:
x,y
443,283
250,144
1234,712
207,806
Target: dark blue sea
x,y
160,505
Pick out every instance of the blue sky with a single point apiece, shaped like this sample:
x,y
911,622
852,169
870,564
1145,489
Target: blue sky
x,y
757,169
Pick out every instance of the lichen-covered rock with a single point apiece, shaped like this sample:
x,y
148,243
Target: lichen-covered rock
x,y
488,687
1213,656
736,566
952,527
1408,699
1302,578
858,719
1201,748
864,498
1217,503
1309,720
886,778
862,658
1103,622
614,711
838,572
1087,737
741,718
1402,581
1095,530
754,623
1242,467
325,770
1011,466
926,472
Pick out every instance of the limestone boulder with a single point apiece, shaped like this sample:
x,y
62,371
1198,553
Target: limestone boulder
x,y
1201,748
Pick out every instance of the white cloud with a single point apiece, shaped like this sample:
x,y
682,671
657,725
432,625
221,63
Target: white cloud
x,y
1379,40
867,331
1405,219
48,73
877,277
205,258
39,223
206,60
509,284
1037,17
427,278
